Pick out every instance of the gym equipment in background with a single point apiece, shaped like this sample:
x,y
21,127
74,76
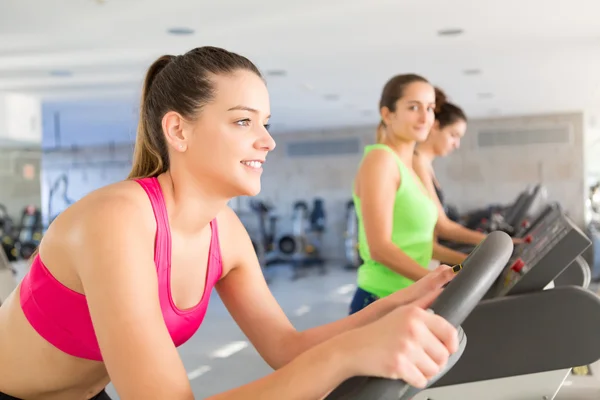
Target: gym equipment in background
x,y
353,259
302,247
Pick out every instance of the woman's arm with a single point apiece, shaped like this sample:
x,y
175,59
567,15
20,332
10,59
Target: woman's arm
x,y
378,180
445,227
409,343
447,255
247,297
111,244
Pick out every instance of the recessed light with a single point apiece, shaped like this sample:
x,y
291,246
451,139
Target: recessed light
x,y
180,31
367,112
472,71
331,97
485,95
61,72
276,72
450,32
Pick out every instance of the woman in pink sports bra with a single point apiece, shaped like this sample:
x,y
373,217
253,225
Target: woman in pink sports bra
x,y
124,275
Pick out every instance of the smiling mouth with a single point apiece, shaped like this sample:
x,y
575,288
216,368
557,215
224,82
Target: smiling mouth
x,y
253,164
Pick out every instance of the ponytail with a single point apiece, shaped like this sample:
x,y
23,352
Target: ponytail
x,y
150,156
446,113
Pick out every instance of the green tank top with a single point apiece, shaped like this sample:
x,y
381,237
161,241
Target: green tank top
x,y
414,219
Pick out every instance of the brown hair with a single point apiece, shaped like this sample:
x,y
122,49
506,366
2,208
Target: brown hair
x,y
392,92
182,84
447,113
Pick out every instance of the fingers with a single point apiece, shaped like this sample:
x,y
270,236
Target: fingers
x,y
434,350
427,299
410,373
443,331
445,274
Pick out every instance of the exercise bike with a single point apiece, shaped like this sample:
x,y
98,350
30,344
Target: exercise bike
x,y
302,247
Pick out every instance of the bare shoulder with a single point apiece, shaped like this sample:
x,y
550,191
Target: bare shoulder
x,y
108,212
379,158
379,167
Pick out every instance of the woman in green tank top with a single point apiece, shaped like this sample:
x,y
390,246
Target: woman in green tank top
x,y
396,215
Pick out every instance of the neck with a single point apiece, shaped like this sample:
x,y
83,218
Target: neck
x,y
404,149
191,204
426,152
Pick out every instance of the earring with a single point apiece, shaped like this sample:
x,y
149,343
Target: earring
x,y
180,147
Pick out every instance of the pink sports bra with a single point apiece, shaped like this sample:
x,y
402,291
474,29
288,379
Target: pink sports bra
x,y
61,316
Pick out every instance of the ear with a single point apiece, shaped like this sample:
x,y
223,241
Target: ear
x,y
173,126
386,115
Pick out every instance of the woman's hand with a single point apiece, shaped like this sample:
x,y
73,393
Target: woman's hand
x,y
434,281
409,343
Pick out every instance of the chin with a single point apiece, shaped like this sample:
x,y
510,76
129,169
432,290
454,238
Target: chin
x,y
249,190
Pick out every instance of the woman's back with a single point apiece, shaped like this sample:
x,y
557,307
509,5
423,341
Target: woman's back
x,y
123,206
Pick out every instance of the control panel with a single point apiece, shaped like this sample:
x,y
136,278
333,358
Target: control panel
x,y
549,248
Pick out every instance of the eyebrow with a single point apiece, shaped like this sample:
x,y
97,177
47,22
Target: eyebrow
x,y
245,108
417,102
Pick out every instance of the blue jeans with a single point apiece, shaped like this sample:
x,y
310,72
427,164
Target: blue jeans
x,y
361,299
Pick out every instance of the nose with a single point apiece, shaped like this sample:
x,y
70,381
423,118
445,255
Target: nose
x,y
423,115
265,141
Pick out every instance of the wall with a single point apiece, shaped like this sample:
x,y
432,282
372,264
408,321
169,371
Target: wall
x,y
20,134
19,179
85,170
286,180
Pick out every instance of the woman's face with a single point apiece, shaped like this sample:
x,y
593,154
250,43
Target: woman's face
x,y
447,139
414,114
228,142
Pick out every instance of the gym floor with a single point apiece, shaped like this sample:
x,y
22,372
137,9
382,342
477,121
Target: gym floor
x,y
219,357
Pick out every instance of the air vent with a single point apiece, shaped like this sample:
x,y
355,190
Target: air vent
x,y
323,147
524,136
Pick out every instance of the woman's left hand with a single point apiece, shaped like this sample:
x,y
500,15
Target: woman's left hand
x,y
435,280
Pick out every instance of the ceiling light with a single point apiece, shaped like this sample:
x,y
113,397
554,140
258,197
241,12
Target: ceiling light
x,y
485,95
180,31
276,72
331,97
308,86
450,32
367,112
61,73
472,71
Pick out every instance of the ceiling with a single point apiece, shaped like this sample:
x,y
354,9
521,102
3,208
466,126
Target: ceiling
x,y
533,56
